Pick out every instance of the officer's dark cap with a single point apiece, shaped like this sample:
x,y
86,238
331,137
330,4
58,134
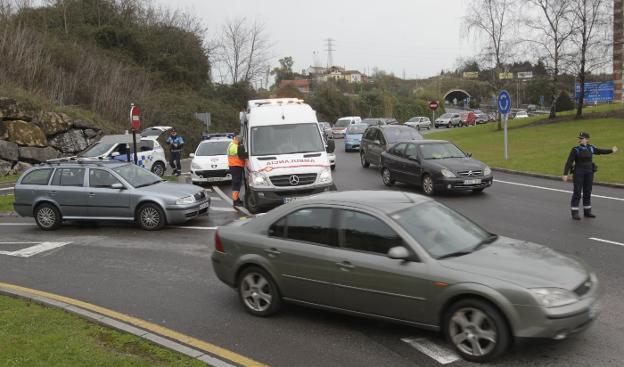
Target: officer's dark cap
x,y
583,135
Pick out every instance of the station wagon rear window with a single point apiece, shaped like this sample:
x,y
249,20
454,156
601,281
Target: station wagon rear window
x,y
37,177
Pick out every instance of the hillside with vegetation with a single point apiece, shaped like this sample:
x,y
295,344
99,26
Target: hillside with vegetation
x,y
92,58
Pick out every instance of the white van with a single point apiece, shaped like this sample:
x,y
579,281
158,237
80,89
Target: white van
x,y
287,154
340,127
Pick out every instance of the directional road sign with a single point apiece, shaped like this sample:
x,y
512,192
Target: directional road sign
x,y
504,102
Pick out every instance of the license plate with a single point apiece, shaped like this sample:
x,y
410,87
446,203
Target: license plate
x,y
288,200
204,205
213,179
472,182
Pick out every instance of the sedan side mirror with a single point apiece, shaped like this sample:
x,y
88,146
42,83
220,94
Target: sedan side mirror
x,y
117,186
192,155
114,154
469,155
398,253
331,146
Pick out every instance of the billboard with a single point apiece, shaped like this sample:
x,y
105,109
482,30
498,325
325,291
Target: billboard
x,y
505,76
471,74
596,92
525,74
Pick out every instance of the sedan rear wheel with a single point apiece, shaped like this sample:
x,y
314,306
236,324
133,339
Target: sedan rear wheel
x,y
386,177
47,217
258,292
477,330
151,217
427,185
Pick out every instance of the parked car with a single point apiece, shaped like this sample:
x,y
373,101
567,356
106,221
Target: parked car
x,y
210,161
150,154
377,139
327,130
353,137
482,118
402,257
468,119
155,131
521,115
112,191
449,120
340,127
419,123
435,166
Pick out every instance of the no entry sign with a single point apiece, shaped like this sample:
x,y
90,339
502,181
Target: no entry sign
x,y
433,105
135,117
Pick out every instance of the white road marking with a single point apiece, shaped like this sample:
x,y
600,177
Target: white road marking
x,y
437,352
193,227
220,209
34,250
7,188
222,194
17,224
556,190
606,241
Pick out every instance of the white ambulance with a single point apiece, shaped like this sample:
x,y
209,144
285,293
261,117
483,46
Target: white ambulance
x,y
288,157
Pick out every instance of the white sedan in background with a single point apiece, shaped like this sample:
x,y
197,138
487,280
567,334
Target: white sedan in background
x,y
521,115
210,161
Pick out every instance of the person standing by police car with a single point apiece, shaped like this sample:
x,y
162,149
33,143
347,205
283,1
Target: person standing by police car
x,y
582,167
176,143
236,161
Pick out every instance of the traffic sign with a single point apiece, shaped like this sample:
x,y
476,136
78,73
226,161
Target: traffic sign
x,y
504,102
135,117
433,105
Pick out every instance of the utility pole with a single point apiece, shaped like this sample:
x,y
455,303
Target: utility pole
x,y
329,47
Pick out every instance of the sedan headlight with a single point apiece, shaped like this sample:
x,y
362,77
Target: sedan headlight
x,y
447,173
186,200
195,166
553,297
259,180
487,171
325,176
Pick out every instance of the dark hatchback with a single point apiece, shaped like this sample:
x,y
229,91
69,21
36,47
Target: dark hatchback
x,y
377,139
435,166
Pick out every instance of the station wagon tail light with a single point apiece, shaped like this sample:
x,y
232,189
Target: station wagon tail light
x,y
218,243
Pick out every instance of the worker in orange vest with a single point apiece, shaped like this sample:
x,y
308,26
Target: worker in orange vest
x,y
237,168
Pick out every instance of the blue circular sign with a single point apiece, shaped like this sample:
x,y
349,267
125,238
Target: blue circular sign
x,y
504,102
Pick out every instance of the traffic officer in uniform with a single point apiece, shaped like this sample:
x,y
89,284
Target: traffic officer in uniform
x,y
176,143
236,162
580,164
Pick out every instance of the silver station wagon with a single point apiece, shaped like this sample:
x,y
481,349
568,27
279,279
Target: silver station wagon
x,y
405,258
105,190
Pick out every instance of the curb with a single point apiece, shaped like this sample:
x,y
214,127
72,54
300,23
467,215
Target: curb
x,y
551,177
101,319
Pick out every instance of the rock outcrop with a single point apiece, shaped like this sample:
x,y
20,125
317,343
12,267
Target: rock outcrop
x,y
29,136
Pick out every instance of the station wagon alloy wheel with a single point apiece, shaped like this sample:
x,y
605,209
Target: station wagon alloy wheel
x,y
472,332
47,217
258,292
151,217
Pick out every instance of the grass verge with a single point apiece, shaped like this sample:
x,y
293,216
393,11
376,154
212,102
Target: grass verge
x,y
542,148
8,179
33,335
6,203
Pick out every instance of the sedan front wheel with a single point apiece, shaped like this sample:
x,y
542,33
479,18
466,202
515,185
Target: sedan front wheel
x,y
386,177
427,185
477,330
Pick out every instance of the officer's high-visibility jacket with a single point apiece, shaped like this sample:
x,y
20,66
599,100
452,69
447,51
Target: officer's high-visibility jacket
x,y
233,158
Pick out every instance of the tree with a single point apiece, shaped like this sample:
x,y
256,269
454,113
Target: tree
x,y
493,19
242,51
284,71
590,17
552,30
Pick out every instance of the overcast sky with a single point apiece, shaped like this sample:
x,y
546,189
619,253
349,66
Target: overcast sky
x,y
418,37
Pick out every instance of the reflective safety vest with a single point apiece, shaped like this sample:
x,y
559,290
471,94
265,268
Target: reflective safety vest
x,y
233,159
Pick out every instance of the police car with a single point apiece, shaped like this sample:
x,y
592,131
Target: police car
x,y
150,154
210,161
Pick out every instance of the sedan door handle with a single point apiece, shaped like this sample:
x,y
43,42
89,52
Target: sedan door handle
x,y
91,194
345,265
52,193
272,251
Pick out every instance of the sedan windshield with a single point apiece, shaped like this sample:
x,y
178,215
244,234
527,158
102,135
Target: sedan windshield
x,y
446,116
356,129
137,176
214,148
97,150
441,231
402,133
342,123
441,151
414,119
286,139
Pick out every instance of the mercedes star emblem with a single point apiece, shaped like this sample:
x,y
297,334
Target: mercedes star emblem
x,y
294,180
